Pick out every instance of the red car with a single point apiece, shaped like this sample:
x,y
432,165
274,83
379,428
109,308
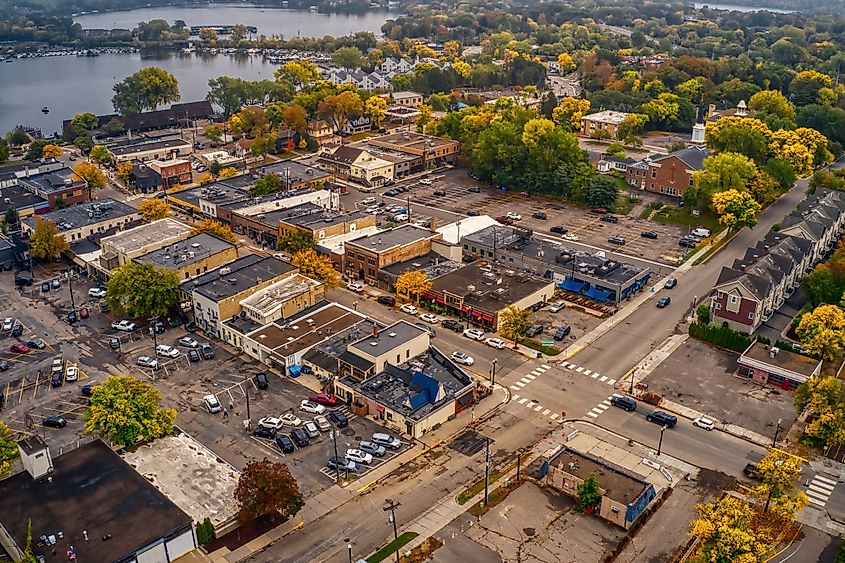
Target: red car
x,y
504,220
324,399
20,348
599,210
524,194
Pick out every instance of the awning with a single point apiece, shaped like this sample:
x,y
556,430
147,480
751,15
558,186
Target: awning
x,y
598,294
487,318
574,286
476,314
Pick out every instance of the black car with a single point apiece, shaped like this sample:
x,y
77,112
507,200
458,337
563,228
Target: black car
x,y
207,351
662,418
390,193
86,390
17,330
663,302
386,300
57,379
559,230
539,215
452,324
616,240
45,287
649,234
104,306
338,419
299,437
473,213
23,279
261,380
4,366
609,218
562,332
285,443
670,283
158,326
624,403
54,422
71,317
687,243
193,355
264,432
439,193
534,330
114,343
750,470
36,343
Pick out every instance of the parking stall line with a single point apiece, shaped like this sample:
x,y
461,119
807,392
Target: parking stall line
x,y
546,412
538,408
554,416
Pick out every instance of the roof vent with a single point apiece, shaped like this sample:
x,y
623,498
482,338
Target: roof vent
x,y
392,334
374,343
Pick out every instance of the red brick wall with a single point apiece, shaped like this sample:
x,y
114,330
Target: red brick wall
x,y
746,306
667,175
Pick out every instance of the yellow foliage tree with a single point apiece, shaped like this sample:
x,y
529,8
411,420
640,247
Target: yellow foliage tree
x,y
51,151
215,228
772,102
570,111
822,331
93,177
45,242
803,148
736,209
124,172
154,209
513,322
413,282
724,528
376,107
462,69
535,130
316,266
228,172
565,62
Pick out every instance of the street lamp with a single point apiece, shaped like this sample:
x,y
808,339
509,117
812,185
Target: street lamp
x,y
493,373
349,546
391,507
660,443
777,430
519,453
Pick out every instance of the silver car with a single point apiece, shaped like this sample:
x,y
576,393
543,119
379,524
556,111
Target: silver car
x,y
311,429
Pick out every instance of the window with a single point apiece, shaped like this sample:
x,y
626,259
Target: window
x,y
398,358
389,416
186,275
718,306
751,316
733,299
407,354
654,172
691,181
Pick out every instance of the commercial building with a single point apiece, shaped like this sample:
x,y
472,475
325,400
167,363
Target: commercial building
x,y
429,151
59,186
177,115
432,264
21,200
404,99
296,175
769,365
79,221
603,124
671,174
259,218
172,172
216,295
357,165
125,246
144,150
582,274
89,505
193,256
283,299
213,200
321,224
366,255
624,496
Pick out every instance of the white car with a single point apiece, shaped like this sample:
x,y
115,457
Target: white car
x,y
425,182
188,342
429,318
513,215
271,422
704,422
147,362
497,343
356,287
322,423
408,308
398,218
474,334
211,403
72,373
358,456
291,419
167,351
571,236
369,201
8,323
312,407
701,232
557,307
462,358
125,326
97,292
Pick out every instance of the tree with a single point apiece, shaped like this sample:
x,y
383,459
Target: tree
x,y
46,243
349,58
100,155
803,148
298,73
80,126
743,135
724,171
764,188
296,241
8,449
376,107
113,127
51,151
806,85
124,172
337,108
228,93
724,528
296,118
602,191
35,150
736,209
779,473
126,410
142,290
588,493
11,217
214,168
570,111
565,63
214,228
822,331
4,150
93,177
615,149
147,89
513,322
772,102
214,133
17,137
265,487
821,396
154,209
228,172
413,282
28,553
425,117
316,266
268,184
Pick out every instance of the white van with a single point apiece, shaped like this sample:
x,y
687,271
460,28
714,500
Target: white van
x,y
701,232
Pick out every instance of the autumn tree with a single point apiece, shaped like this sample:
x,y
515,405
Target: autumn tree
x,y
742,135
570,111
154,209
736,209
821,396
803,148
45,242
214,133
376,107
295,242
228,172
267,488
8,449
413,283
316,266
267,184
779,473
726,532
93,177
424,118
215,228
299,73
772,102
51,151
822,331
806,85
142,290
100,155
724,171
126,410
336,109
565,62
513,322
147,89
296,118
124,172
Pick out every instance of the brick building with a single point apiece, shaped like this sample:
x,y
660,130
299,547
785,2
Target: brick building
x,y
172,172
670,174
366,255
57,186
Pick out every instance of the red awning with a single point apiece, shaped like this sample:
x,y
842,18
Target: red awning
x,y
476,314
439,300
487,318
379,408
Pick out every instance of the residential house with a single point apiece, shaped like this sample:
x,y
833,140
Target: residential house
x,y
671,174
366,255
357,165
769,365
357,124
242,148
607,163
287,140
322,133
604,124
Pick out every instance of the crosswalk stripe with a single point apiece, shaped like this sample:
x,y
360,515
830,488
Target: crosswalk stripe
x,y
813,494
824,495
592,414
514,397
587,372
818,484
814,501
610,381
530,377
553,416
536,373
603,378
544,366
825,480
595,375
570,366
538,408
523,400
546,412
579,370
516,387
524,381
531,404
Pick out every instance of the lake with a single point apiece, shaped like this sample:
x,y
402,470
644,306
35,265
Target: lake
x,y
736,8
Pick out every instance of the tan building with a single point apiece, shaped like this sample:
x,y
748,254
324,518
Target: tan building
x,y
394,345
283,299
357,165
163,149
321,224
366,255
322,133
428,150
404,99
192,256
604,124
123,247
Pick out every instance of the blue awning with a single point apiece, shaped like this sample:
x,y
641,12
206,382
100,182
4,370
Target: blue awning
x,y
598,294
574,286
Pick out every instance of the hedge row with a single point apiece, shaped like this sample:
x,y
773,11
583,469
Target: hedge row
x,y
721,336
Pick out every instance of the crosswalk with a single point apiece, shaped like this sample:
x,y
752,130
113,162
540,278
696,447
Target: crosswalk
x,y
538,371
820,490
529,377
584,371
536,407
597,410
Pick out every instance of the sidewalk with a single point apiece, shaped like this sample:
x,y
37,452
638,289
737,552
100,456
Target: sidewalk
x,y
334,497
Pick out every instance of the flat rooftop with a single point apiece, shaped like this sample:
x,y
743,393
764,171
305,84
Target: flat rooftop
x,y
274,296
91,489
297,172
85,214
394,335
184,253
289,214
326,353
224,192
393,238
324,218
19,198
54,181
124,150
619,485
608,116
237,276
410,140
432,264
131,240
489,290
782,359
303,331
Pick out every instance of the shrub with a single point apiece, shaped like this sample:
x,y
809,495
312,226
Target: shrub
x,y
720,336
205,531
703,314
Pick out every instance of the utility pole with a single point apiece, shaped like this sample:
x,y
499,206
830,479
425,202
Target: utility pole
x,y
519,453
337,459
486,469
660,443
248,418
70,286
391,507
493,373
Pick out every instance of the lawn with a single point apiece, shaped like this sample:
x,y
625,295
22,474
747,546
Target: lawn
x,y
478,486
392,547
673,215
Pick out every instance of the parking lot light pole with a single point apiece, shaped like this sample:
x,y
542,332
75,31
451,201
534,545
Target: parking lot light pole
x,y
391,507
248,417
493,373
349,545
660,443
777,431
70,287
486,469
337,459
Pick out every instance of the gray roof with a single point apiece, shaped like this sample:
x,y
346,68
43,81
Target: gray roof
x,y
186,252
19,198
53,181
692,157
296,171
323,218
391,337
147,146
85,214
223,192
758,286
392,238
242,274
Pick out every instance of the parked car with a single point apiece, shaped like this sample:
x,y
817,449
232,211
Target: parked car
x,y
439,193
429,318
617,240
462,358
425,182
475,189
56,379
284,443
571,237
559,230
599,210
342,464
17,330
663,302
338,419
539,215
188,342
147,362
356,287
211,403
271,422
609,218
623,402
311,429
649,234
8,323
261,380
193,356
23,279
359,456
513,215
322,423
207,351
291,419
299,437
473,212
265,432
474,334
562,332
4,366
687,243
662,418
369,201
19,348
125,326
54,422
751,471
386,300
72,373
386,440
86,390
56,283
452,325
45,287
497,343
700,232
167,351
325,399
704,422
372,448
157,326
311,408
559,306
534,331
430,329
408,308
114,343
504,220
670,283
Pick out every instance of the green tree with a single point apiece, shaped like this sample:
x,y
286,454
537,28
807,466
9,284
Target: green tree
x,y
337,108
11,217
822,331
8,449
349,58
45,242
724,171
80,125
100,155
36,149
28,553
126,410
316,266
299,73
214,168
602,191
268,184
17,137
214,134
267,488
4,150
781,171
227,93
147,89
615,149
215,228
588,493
295,242
113,127
142,290
513,322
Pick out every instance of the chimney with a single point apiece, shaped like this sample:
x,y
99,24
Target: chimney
x,y
375,330
35,456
